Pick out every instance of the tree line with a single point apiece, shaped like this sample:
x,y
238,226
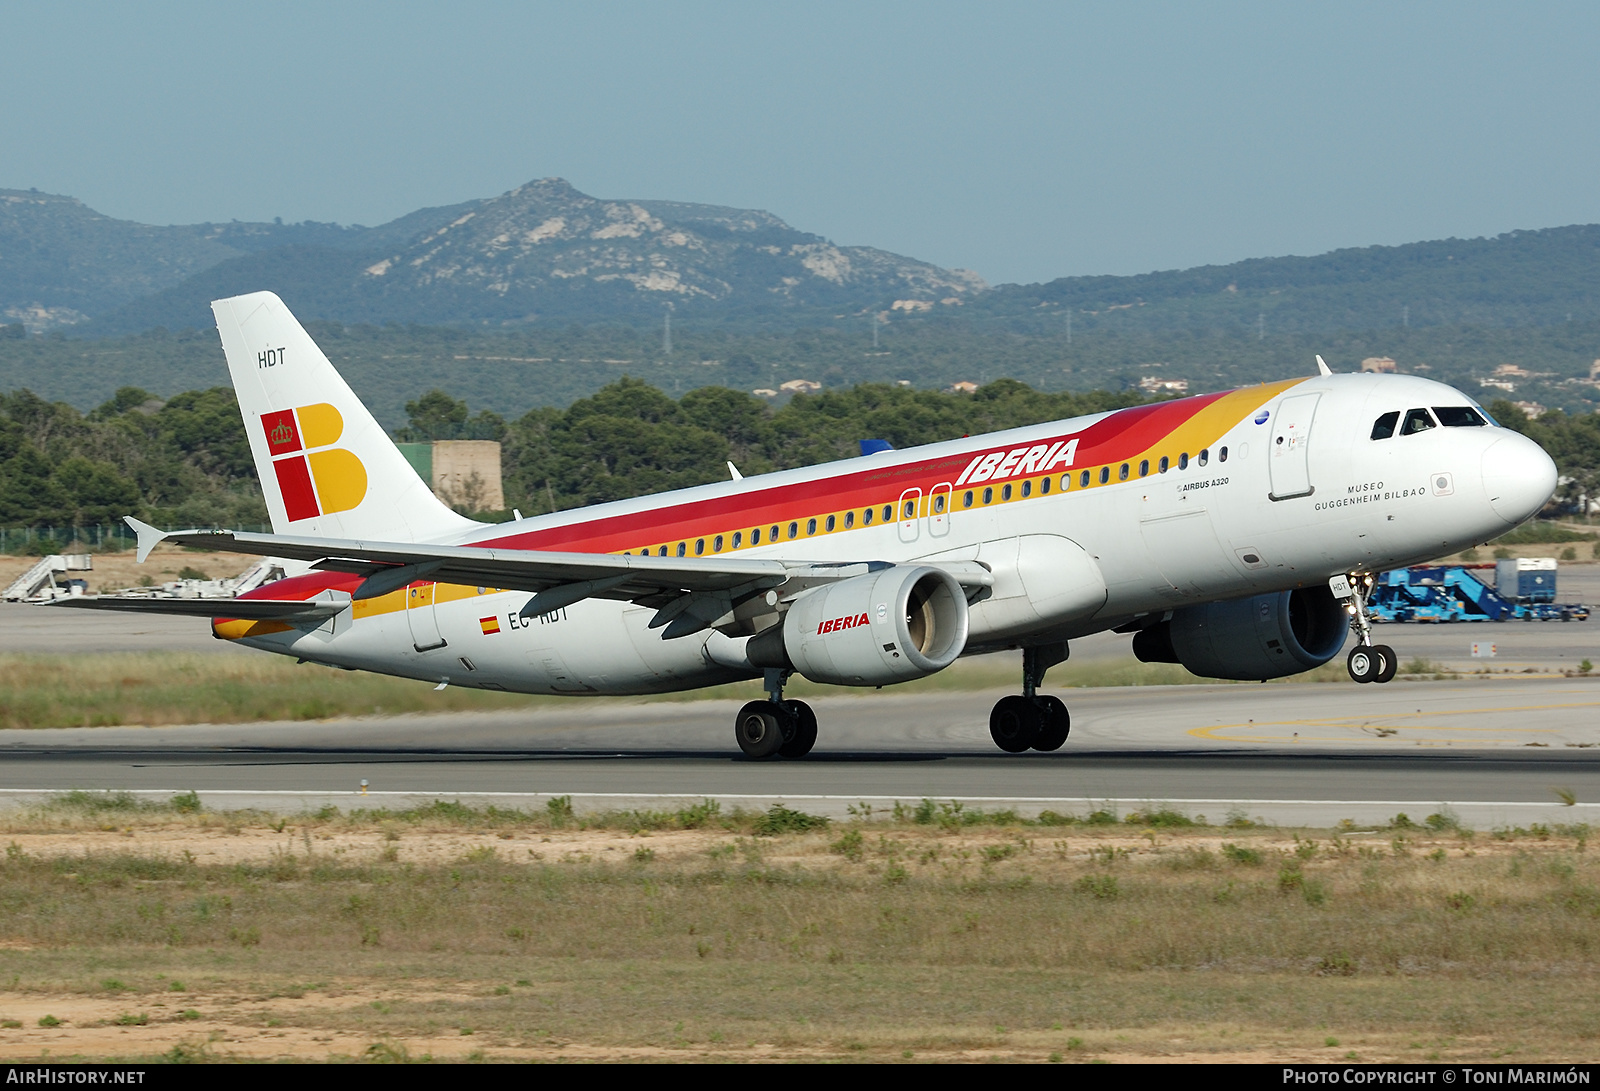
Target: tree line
x,y
185,460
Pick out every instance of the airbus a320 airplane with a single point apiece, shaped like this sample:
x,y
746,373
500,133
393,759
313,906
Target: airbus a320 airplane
x,y
1234,533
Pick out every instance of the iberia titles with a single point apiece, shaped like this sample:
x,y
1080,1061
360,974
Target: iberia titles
x,y
1041,458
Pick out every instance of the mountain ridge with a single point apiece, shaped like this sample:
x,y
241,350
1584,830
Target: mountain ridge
x,y
545,251
538,251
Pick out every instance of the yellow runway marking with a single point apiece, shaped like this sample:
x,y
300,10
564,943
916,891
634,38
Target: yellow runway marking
x,y
1251,732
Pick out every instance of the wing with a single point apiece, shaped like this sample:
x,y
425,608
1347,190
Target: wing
x,y
689,594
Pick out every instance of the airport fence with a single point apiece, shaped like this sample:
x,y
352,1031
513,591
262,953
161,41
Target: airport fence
x,y
42,541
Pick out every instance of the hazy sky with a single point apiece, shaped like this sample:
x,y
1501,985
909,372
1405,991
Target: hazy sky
x,y
1025,141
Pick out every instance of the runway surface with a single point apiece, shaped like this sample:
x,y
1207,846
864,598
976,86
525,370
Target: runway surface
x,y
1510,750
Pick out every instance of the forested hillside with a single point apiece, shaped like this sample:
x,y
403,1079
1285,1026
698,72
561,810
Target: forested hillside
x,y
1522,278
513,371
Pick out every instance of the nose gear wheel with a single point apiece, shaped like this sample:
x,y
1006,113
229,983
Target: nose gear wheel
x,y
1367,662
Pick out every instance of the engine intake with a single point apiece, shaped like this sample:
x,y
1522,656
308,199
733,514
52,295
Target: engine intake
x,y
872,630
1250,640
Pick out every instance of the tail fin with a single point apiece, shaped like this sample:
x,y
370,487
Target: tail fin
x,y
327,467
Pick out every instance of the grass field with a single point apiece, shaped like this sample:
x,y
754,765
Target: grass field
x,y
133,931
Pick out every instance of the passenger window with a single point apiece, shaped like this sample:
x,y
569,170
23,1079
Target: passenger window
x,y
866,518
1105,474
811,526
988,496
966,499
1144,467
716,544
699,546
1383,427
1005,492
1222,454
830,524
1459,416
738,538
888,512
1183,461
1164,464
1205,455
1417,420
794,529
774,535
1027,488
755,537
1044,485
849,519
1083,480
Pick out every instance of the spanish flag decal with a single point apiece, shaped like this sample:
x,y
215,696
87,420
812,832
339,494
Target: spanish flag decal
x,y
314,477
490,625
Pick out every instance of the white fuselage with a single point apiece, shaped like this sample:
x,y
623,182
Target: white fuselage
x,y
1291,489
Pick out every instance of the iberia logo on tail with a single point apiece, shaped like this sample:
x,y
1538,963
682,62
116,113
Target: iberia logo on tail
x,y
314,477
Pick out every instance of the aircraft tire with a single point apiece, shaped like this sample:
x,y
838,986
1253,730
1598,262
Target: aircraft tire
x,y
1056,723
1389,663
759,730
805,730
1014,723
1363,663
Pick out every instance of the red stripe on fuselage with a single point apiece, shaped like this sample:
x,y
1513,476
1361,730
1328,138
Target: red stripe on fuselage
x,y
1114,438
1110,439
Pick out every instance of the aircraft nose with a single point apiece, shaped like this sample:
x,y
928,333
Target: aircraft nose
x,y
1518,476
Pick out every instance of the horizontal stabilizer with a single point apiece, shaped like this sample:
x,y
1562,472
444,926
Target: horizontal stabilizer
x,y
243,609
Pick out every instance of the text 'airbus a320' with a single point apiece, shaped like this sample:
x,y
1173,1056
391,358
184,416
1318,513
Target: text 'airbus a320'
x,y
1235,533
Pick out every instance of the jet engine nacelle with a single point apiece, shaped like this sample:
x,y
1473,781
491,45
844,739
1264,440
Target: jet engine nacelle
x,y
1265,636
873,630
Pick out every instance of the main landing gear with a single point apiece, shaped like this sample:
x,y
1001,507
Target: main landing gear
x,y
775,728
1367,662
1030,720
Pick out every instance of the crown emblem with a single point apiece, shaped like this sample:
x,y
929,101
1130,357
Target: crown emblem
x,y
281,435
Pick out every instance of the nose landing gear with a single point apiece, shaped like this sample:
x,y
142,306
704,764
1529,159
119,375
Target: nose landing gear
x,y
1367,662
1029,720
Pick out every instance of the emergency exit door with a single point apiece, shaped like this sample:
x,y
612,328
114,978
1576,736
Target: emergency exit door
x,y
419,615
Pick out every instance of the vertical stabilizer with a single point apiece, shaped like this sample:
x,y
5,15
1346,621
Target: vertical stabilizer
x,y
327,467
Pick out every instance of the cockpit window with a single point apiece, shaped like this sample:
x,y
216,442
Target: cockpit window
x,y
1459,416
1383,427
1417,420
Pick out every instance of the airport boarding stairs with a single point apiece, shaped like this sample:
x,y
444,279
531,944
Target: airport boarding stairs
x,y
51,579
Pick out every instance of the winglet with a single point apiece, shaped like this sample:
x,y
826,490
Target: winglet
x,y
149,536
1322,368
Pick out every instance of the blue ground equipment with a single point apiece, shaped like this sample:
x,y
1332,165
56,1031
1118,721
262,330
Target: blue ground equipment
x,y
1523,590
